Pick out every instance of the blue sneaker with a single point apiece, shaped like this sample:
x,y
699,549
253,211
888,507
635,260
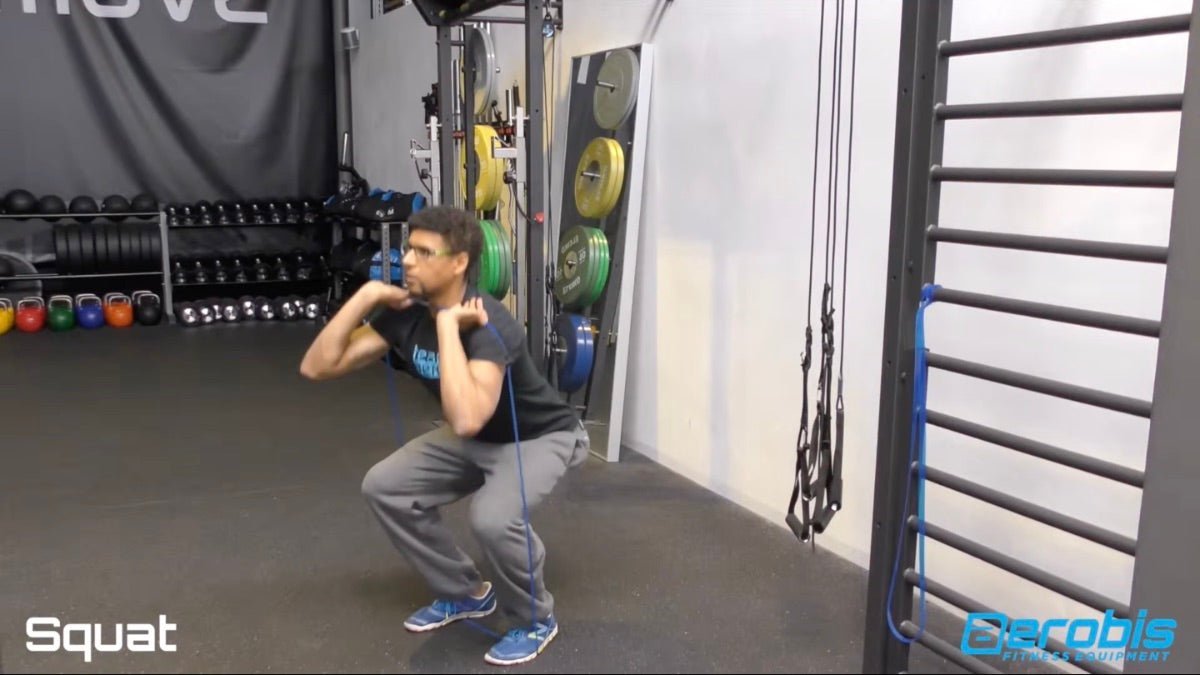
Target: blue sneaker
x,y
442,612
522,644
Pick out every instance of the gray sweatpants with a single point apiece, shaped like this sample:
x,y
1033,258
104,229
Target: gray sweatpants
x,y
405,490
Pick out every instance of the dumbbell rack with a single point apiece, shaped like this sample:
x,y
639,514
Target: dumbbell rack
x,y
169,283
162,224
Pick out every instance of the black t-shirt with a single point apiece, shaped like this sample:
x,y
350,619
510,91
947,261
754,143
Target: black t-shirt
x,y
412,333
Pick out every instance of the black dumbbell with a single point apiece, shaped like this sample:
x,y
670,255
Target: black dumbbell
x,y
219,274
231,312
304,270
247,307
223,214
264,308
238,271
262,271
204,213
178,275
313,307
187,314
281,270
199,274
285,308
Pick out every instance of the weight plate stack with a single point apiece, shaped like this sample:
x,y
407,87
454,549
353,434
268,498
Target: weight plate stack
x,y
481,54
486,261
495,268
599,177
490,181
582,272
575,350
616,89
600,245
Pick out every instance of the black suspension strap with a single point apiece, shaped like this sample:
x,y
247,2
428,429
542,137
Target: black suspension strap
x,y
800,524
819,459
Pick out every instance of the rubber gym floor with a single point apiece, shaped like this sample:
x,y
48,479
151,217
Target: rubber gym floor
x,y
193,473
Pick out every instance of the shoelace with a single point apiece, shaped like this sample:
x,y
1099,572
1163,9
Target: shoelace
x,y
520,634
446,607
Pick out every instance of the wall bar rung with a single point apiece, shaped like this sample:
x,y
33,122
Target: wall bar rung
x,y
1109,105
945,649
1023,569
1121,474
1024,242
1068,36
1041,514
1096,177
967,604
1102,399
1038,310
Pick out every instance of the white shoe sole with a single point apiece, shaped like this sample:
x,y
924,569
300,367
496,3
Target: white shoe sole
x,y
526,659
412,628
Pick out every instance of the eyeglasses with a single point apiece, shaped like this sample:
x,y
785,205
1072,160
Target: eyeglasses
x,y
423,253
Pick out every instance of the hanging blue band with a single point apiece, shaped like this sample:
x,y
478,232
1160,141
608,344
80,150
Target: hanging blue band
x,y
916,439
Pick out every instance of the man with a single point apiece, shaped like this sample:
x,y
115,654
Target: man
x,y
464,348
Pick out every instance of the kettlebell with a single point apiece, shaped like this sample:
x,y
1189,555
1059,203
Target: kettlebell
x,y
89,312
61,313
147,308
31,314
6,315
118,310
187,314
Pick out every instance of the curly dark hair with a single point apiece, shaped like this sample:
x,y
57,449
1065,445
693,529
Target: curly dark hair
x,y
458,227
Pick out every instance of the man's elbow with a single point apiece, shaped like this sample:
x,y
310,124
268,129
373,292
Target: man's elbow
x,y
312,372
466,428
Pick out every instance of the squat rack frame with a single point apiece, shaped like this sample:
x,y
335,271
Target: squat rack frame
x,y
1165,557
535,148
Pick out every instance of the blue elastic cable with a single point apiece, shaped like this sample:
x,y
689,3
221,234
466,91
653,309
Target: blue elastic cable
x,y
520,473
920,394
512,399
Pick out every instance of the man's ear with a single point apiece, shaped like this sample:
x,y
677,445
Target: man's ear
x,y
461,261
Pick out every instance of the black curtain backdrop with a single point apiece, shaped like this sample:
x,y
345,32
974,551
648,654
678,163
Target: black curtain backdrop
x,y
167,96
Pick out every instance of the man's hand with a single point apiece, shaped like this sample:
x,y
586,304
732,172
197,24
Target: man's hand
x,y
393,296
467,315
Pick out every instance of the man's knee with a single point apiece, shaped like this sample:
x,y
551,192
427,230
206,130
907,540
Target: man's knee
x,y
382,481
493,526
373,485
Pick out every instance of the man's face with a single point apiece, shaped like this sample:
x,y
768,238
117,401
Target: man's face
x,y
429,265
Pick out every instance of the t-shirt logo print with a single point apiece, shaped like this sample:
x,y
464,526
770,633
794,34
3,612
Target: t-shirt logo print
x,y
426,363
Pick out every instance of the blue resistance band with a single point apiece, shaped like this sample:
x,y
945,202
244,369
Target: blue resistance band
x,y
520,472
920,394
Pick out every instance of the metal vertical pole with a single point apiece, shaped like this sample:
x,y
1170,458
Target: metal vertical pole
x,y
468,120
445,115
921,84
535,205
341,60
1164,572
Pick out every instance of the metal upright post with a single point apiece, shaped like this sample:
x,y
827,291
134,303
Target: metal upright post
x,y
535,205
468,123
922,85
446,94
1164,572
